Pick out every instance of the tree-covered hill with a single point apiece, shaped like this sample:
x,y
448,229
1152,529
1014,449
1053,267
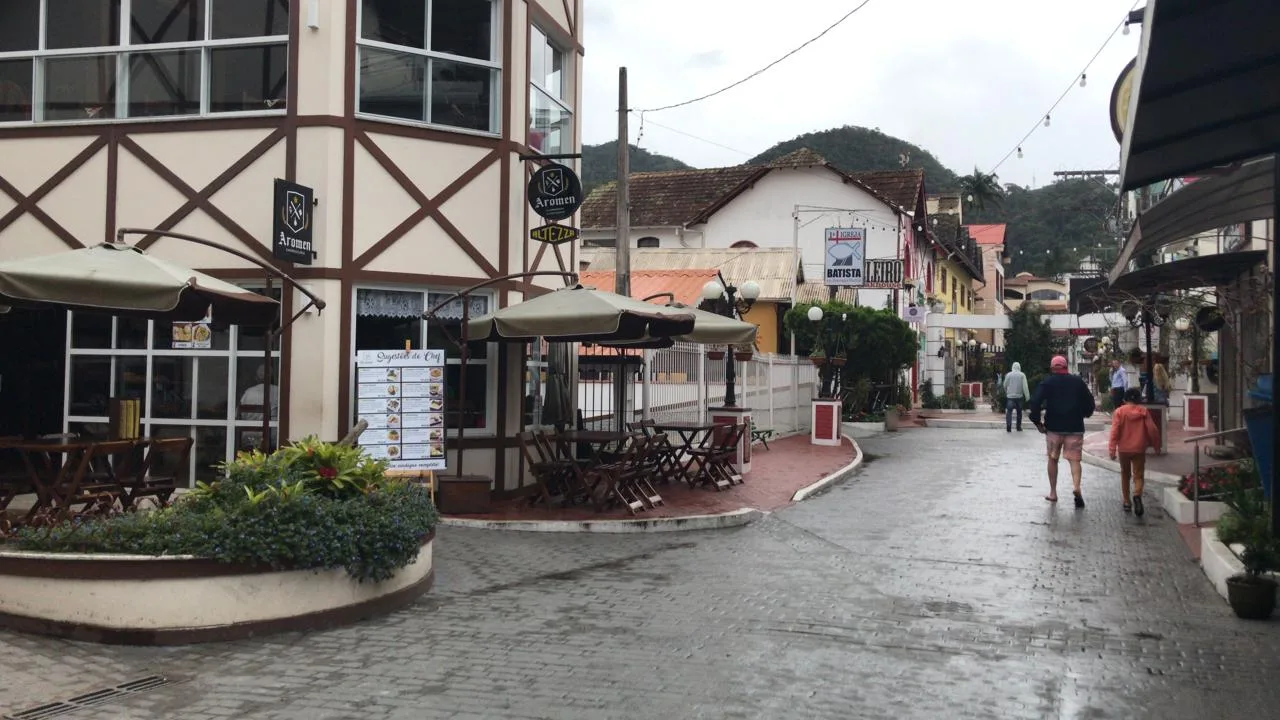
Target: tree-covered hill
x,y
857,149
600,163
1052,228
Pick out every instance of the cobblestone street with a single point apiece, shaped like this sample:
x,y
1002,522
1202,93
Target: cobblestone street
x,y
935,583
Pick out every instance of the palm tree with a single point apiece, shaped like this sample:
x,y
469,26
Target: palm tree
x,y
981,188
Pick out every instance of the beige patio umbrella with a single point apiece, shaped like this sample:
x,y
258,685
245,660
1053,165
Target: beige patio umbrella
x,y
708,328
120,279
578,314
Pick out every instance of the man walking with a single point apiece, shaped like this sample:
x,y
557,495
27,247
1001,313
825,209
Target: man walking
x,y
1066,401
1015,393
1119,379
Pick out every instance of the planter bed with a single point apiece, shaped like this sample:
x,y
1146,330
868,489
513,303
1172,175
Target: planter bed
x,y
1182,510
1220,562
862,429
148,600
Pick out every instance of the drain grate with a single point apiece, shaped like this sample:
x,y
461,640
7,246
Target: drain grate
x,y
91,699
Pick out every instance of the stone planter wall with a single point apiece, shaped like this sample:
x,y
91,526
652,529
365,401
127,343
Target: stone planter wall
x,y
862,429
1217,560
144,600
1182,510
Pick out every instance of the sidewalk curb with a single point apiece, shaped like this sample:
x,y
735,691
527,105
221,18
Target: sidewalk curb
x,y
985,424
1160,478
719,521
834,477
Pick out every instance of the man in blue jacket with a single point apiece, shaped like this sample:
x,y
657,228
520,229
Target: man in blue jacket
x,y
1066,401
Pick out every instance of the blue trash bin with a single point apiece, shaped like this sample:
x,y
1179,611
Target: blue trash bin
x,y
1259,422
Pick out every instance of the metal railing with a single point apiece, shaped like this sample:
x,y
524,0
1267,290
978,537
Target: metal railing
x,y
1195,469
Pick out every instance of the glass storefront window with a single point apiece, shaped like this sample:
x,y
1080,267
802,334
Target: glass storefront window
x,y
90,385
212,379
131,378
90,330
131,333
171,385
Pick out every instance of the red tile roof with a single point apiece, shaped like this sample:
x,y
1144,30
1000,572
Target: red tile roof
x,y
901,187
987,234
686,285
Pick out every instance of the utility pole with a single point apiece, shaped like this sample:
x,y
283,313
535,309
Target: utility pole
x,y
622,264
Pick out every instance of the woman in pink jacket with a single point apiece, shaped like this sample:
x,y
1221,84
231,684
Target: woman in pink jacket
x,y
1132,432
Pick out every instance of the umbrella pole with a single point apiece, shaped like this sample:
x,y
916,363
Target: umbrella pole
x,y
462,380
269,338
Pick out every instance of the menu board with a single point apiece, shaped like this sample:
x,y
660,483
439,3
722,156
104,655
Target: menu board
x,y
400,393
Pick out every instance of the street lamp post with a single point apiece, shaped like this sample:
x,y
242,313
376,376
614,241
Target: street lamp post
x,y
1183,325
724,299
1152,313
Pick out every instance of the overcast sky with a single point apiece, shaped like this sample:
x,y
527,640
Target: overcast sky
x,y
964,79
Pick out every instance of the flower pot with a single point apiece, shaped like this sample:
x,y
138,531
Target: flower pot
x,y
1252,598
742,356
817,361
838,362
715,354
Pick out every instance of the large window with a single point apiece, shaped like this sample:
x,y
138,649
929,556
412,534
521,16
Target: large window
x,y
214,394
550,96
108,59
430,61
389,318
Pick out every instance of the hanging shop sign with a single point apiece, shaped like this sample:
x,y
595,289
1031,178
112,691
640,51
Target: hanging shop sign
x,y
555,192
291,218
883,274
400,393
554,234
1121,93
846,252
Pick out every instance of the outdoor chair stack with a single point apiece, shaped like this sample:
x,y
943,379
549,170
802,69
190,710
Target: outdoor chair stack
x,y
626,479
665,458
714,458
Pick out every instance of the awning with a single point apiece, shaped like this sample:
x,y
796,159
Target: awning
x,y
1089,295
1242,196
1205,92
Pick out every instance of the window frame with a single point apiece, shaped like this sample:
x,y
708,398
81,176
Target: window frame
x,y
490,428
494,66
568,82
123,51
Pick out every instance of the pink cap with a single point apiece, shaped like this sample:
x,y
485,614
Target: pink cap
x,y
1058,362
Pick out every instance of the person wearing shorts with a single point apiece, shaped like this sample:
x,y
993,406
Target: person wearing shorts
x,y
1058,408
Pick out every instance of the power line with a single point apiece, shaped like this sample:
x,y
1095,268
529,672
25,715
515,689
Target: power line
x,y
807,43
668,128
1044,118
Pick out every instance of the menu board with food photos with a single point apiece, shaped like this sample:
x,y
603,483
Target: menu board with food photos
x,y
400,393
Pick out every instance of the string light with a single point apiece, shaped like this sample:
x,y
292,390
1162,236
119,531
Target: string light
x,y
1126,29
1084,77
1019,152
1046,120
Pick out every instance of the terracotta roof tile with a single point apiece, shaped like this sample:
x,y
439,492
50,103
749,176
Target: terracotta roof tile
x,y
987,234
774,269
668,198
901,187
799,158
686,285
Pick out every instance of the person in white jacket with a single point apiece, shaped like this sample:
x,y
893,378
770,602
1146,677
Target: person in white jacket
x,y
1016,393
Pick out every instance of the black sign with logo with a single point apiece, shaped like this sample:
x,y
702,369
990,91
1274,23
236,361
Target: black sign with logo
x,y
555,192
554,234
291,222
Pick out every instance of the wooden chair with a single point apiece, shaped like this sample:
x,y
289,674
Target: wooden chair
x,y
548,475
91,477
160,474
556,454
14,481
716,455
611,481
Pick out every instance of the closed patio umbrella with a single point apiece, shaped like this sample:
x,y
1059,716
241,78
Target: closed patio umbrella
x,y
582,315
116,278
555,404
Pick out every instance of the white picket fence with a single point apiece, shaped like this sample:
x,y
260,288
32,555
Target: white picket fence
x,y
679,384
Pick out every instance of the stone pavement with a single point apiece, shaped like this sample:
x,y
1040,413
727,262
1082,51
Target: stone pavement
x,y
935,583
790,463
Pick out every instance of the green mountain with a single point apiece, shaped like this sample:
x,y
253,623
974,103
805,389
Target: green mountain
x,y
857,149
600,163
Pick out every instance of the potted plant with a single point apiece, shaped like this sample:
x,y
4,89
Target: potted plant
x,y
742,354
715,353
818,358
1248,524
840,359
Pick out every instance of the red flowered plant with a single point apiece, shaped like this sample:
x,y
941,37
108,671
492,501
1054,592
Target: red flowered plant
x,y
1218,481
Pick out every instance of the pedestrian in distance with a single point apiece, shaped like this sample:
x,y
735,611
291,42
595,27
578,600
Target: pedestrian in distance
x,y
1016,393
1119,379
1132,432
1058,408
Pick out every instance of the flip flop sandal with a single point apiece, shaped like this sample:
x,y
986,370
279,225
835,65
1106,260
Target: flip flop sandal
x,y
1051,499
1127,507
1079,500
1137,507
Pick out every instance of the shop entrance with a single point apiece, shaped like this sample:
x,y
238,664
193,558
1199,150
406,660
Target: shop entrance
x,y
32,371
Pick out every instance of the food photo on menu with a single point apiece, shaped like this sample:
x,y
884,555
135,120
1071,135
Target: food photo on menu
x,y
435,373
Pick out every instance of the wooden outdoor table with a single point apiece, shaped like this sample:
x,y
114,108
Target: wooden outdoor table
x,y
688,433
595,440
53,471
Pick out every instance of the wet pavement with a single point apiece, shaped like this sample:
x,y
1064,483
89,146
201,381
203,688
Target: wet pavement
x,y
935,583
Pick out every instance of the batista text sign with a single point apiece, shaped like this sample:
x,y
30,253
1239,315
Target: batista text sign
x,y
555,192
846,251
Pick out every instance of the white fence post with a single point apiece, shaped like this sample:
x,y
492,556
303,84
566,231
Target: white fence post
x,y
646,384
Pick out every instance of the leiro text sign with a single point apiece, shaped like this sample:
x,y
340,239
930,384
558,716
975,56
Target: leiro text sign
x,y
883,274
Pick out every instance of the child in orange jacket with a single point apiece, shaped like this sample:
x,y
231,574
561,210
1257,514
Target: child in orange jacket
x,y
1132,432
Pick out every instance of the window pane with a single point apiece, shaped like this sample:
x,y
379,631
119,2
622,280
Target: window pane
x,y
19,25
250,18
15,90
462,27
131,378
251,398
254,338
171,387
163,21
90,330
211,398
80,88
131,333
472,413
399,22
82,23
162,336
437,339
552,130
90,385
167,464
164,83
209,450
392,84
461,95
248,78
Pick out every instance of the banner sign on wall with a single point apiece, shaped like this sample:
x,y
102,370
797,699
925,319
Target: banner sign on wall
x,y
883,274
291,222
400,393
846,252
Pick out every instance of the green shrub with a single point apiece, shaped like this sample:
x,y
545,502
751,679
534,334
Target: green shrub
x,y
309,506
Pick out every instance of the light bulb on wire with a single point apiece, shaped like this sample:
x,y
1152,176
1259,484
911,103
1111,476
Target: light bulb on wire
x,y
1126,29
1084,79
1019,152
1046,120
